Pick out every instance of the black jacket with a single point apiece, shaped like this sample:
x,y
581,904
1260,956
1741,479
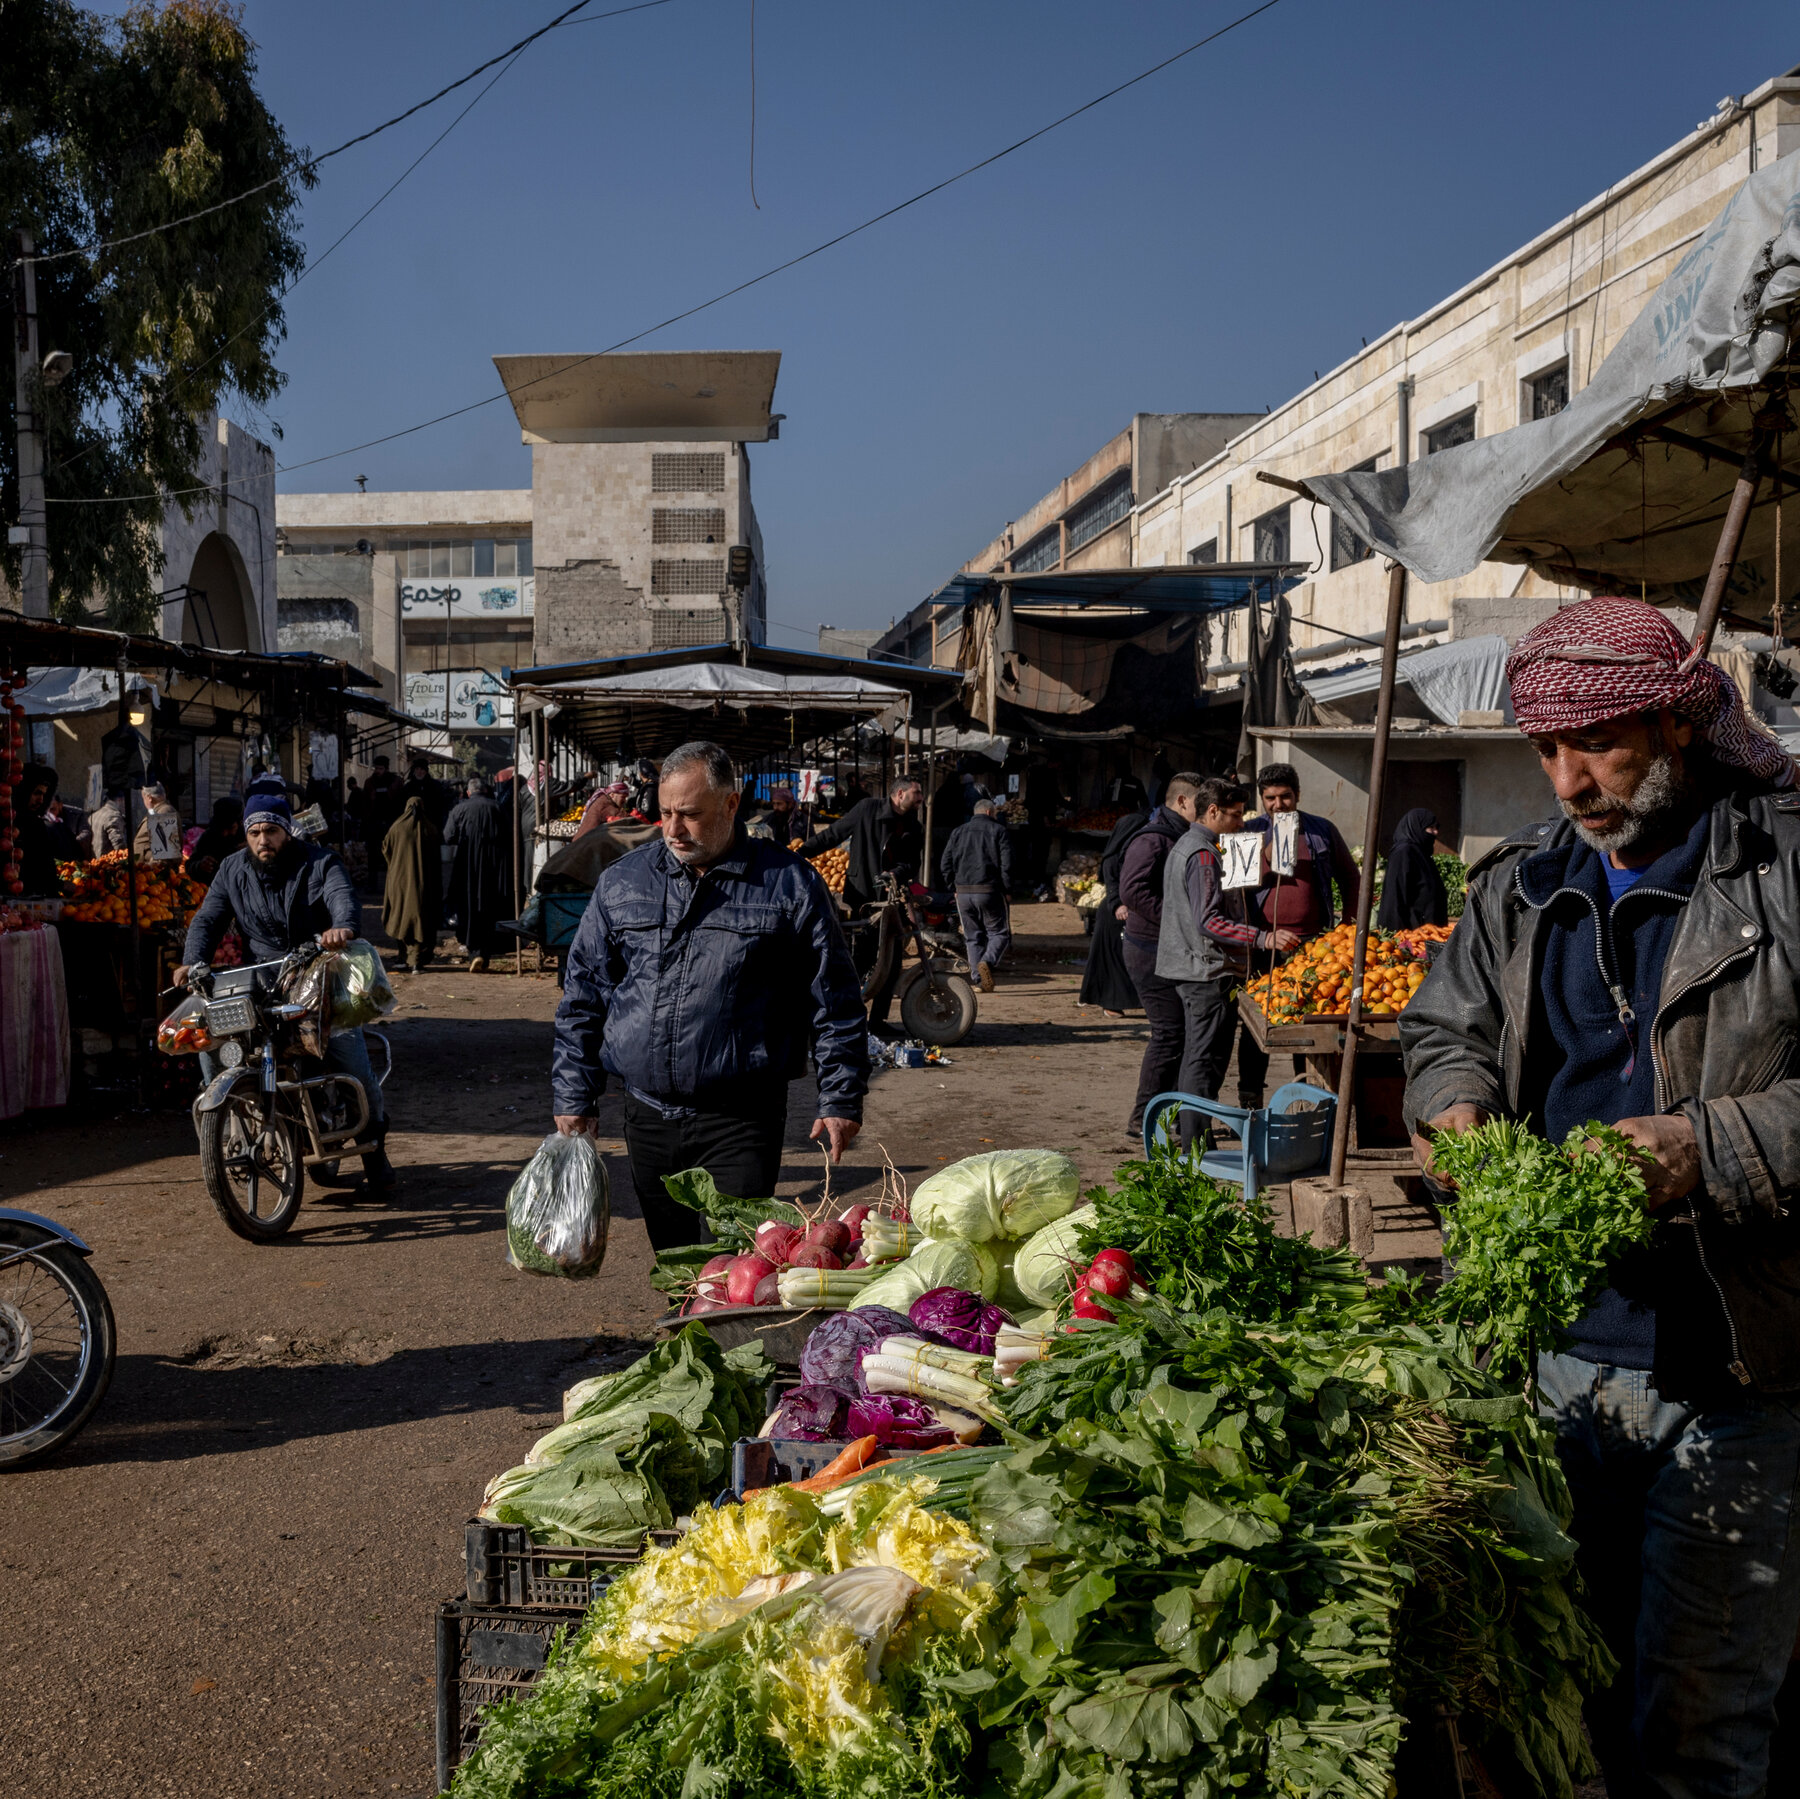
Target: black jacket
x,y
881,841
978,858
1112,858
304,892
1141,873
687,988
1724,1038
1412,890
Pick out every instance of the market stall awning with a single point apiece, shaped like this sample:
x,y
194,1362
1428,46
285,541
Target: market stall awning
x,y
42,641
1450,679
1625,489
926,685
1195,587
697,687
68,692
750,710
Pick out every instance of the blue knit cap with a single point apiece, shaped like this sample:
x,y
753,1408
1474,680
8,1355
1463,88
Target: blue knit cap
x,y
267,805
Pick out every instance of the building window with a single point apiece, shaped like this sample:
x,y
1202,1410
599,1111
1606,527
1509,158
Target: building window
x,y
1459,430
696,576
1042,552
687,524
1547,394
698,471
1347,549
1206,552
484,557
440,561
950,622
678,628
1098,511
462,560
1269,536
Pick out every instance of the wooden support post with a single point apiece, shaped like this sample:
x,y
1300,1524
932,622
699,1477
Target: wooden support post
x,y
1378,756
1731,538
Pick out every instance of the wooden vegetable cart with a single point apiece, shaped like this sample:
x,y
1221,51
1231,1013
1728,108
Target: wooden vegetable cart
x,y
1317,1045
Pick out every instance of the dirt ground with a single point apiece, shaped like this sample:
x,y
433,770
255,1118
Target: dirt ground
x,y
226,1584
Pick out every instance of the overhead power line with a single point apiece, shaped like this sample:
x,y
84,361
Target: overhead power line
x,y
303,164
792,262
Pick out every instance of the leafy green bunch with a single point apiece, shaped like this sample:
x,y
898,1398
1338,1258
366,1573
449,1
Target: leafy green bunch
x,y
1535,1228
1197,1243
1244,1558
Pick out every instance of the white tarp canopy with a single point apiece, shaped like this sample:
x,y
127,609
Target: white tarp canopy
x,y
701,685
63,692
1450,679
1627,485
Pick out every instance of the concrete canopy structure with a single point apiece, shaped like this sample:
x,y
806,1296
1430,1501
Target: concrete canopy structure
x,y
689,396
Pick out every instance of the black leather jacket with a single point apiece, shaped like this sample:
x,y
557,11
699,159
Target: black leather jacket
x,y
1725,1041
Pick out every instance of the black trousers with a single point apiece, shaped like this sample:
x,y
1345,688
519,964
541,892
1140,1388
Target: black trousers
x,y
1211,1017
740,1149
1161,1001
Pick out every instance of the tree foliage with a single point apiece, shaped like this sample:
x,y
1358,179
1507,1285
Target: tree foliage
x,y
110,126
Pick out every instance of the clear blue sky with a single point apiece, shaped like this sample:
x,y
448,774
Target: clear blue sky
x,y
1203,242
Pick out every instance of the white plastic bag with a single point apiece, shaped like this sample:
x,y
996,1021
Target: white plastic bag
x,y
559,1209
360,989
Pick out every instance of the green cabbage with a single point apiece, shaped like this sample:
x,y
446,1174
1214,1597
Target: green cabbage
x,y
1004,1193
1041,1269
944,1262
1008,1294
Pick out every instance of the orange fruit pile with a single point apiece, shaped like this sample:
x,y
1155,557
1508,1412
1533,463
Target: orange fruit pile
x,y
833,864
1315,982
96,892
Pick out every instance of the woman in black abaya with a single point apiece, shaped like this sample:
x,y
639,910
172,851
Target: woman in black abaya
x,y
1106,983
1412,891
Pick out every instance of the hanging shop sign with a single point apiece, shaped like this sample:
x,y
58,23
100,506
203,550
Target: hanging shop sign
x,y
478,700
469,596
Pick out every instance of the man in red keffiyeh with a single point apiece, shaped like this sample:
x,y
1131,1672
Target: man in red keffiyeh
x,y
1637,962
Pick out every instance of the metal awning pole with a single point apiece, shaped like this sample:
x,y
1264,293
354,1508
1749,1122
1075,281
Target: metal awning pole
x,y
518,854
1365,894
906,739
1731,538
930,797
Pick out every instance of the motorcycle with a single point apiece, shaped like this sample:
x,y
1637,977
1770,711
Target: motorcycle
x,y
274,1113
57,1342
937,1001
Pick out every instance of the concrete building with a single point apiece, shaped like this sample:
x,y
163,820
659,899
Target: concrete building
x,y
431,592
640,481
1514,344
1084,521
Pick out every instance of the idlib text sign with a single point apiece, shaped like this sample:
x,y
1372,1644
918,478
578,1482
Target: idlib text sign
x,y
478,700
468,596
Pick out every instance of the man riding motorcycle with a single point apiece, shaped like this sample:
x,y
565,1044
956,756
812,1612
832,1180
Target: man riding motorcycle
x,y
280,892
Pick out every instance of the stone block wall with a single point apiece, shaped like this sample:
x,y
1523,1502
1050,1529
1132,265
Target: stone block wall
x,y
586,608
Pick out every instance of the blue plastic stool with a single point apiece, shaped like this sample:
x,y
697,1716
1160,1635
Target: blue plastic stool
x,y
1274,1143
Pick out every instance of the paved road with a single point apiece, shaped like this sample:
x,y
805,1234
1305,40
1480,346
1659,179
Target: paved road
x,y
225,1587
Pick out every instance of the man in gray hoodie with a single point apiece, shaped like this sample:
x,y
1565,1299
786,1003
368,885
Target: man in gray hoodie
x,y
1207,938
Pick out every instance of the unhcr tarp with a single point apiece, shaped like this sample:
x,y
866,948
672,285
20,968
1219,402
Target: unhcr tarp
x,y
1628,483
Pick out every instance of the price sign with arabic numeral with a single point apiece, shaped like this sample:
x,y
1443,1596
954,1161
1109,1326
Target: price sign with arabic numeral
x,y
1240,859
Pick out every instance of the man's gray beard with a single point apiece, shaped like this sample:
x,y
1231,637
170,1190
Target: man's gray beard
x,y
1663,793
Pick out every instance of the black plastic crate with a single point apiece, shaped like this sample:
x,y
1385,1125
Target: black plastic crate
x,y
773,1461
484,1653
503,1566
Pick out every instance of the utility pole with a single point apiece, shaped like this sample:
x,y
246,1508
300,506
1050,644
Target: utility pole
x,y
30,532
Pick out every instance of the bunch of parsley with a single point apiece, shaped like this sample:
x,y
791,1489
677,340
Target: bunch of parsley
x,y
1533,1232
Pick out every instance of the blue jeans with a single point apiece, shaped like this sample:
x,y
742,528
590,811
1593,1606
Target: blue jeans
x,y
1684,1518
986,929
347,1052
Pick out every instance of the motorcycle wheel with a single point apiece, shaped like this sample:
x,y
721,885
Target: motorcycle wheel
x,y
940,1010
252,1171
57,1346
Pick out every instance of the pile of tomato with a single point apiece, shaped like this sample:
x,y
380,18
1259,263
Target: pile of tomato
x,y
1315,981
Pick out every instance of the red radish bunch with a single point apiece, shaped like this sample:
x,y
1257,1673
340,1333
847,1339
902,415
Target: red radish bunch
x,y
744,1276
1110,1275
828,1233
853,1221
814,1255
774,1241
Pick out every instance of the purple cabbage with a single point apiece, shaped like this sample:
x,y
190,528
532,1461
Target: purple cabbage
x,y
958,1318
834,1353
897,1421
812,1413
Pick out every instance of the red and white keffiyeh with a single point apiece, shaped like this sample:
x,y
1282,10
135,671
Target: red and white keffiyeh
x,y
1606,658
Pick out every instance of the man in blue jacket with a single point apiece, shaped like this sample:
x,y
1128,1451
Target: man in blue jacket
x,y
978,863
705,968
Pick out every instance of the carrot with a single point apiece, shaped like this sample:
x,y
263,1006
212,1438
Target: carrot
x,y
852,1459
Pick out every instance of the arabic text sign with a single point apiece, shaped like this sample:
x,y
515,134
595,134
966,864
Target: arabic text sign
x,y
478,700
466,596
1284,832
